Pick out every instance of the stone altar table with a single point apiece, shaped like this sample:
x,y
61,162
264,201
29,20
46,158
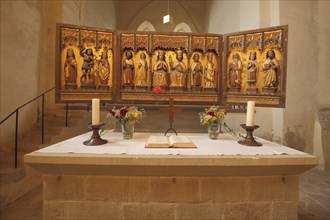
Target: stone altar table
x,y
122,180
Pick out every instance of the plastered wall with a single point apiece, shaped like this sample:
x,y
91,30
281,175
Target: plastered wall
x,y
308,72
20,44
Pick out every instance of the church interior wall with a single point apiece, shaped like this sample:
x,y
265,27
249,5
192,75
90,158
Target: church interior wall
x,y
223,17
20,45
51,12
308,69
105,16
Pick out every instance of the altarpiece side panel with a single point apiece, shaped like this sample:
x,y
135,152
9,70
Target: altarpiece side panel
x,y
256,66
149,68
85,64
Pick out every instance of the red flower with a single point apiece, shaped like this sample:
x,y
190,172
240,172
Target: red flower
x,y
123,112
211,113
157,89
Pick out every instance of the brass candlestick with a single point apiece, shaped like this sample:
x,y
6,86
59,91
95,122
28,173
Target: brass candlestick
x,y
249,139
95,139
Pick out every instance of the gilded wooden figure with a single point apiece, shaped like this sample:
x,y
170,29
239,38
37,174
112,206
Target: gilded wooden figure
x,y
87,78
128,69
196,71
252,70
210,72
178,73
235,69
160,70
140,78
70,70
104,70
270,69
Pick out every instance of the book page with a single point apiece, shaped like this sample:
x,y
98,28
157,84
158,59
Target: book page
x,y
181,141
157,141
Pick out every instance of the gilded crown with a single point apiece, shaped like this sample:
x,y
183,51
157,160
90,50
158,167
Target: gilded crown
x,y
179,52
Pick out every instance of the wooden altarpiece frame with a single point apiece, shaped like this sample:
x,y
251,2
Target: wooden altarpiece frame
x,y
124,67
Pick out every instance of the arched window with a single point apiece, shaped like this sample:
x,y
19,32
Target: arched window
x,y
182,27
146,26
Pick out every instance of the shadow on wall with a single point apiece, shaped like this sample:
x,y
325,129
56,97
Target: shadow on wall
x,y
295,139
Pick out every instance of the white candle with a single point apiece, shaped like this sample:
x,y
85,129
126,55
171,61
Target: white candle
x,y
250,113
95,111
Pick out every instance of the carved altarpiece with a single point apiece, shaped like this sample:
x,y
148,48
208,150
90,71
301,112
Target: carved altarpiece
x,y
194,69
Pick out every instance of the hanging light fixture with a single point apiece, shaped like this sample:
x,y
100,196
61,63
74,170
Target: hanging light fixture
x,y
168,18
79,14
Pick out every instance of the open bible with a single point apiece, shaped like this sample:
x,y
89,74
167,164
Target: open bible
x,y
168,142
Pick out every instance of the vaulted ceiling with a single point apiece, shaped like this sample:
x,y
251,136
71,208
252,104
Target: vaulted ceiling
x,y
131,13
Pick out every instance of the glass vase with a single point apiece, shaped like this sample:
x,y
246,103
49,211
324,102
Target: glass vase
x,y
128,130
214,130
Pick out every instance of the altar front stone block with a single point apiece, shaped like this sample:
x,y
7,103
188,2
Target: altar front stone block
x,y
213,181
118,197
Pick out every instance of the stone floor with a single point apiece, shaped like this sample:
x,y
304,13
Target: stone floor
x,y
314,195
314,200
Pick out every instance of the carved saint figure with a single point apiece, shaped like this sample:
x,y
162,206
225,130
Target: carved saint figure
x,y
178,70
141,72
235,69
70,69
104,68
252,69
88,58
128,67
210,72
270,68
196,71
160,70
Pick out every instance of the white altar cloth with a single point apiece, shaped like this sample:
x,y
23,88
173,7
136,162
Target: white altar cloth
x,y
224,145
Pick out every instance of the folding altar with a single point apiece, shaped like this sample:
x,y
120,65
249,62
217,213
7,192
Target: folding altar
x,y
194,69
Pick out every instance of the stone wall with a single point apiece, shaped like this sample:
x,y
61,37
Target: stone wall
x,y
105,197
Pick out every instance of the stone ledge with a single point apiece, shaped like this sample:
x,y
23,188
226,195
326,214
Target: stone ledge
x,y
170,165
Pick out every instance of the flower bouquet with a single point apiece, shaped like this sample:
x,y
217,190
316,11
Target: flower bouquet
x,y
127,116
213,117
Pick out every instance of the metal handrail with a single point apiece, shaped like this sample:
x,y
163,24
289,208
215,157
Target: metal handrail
x,y
16,128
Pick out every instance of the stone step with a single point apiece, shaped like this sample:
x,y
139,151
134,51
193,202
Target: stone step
x,y
7,159
8,174
16,182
